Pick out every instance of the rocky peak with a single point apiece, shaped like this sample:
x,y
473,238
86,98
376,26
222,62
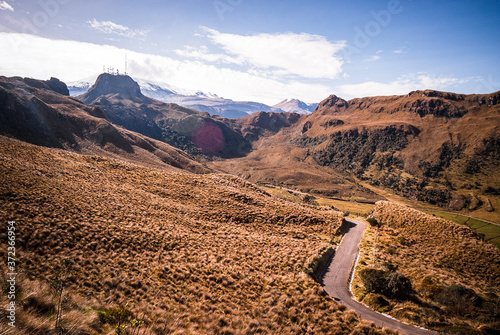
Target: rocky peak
x,y
53,84
113,84
438,94
57,86
333,101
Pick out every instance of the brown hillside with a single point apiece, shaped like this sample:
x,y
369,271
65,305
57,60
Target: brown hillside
x,y
32,111
454,273
437,147
196,133
193,253
261,124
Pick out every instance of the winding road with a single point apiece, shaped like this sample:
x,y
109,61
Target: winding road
x,y
336,281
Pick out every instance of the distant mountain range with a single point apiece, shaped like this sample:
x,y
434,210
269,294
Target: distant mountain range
x,y
203,102
296,106
434,147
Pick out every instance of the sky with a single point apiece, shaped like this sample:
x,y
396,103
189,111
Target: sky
x,y
256,50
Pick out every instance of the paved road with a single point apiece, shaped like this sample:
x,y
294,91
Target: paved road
x,y
335,282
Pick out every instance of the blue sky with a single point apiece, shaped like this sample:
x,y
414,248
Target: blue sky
x,y
257,50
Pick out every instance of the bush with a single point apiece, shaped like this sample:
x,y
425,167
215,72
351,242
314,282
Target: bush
x,y
389,283
398,286
374,280
115,316
377,302
372,221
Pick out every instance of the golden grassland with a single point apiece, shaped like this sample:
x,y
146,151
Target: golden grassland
x,y
454,273
194,254
350,207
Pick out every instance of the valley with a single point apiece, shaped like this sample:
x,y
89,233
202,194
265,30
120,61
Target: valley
x,y
141,212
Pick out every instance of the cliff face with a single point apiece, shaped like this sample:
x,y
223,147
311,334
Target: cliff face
x,y
427,145
107,83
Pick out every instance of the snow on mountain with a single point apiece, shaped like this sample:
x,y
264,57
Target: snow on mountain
x,y
295,106
201,101
81,86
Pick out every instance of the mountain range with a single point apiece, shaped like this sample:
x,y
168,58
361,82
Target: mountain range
x,y
203,102
436,147
132,214
428,146
296,106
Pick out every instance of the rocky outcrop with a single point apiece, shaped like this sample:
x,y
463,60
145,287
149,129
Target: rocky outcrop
x,y
333,102
258,124
436,107
437,94
113,84
57,86
332,123
355,149
489,100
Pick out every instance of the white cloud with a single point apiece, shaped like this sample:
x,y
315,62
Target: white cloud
x,y
372,58
34,56
5,6
402,85
202,54
399,51
303,55
109,27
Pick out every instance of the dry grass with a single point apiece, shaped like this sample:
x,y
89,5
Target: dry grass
x,y
351,207
198,254
440,258
449,133
36,306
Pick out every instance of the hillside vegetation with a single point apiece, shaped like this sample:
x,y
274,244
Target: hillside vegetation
x,y
179,252
433,147
121,100
454,274
40,113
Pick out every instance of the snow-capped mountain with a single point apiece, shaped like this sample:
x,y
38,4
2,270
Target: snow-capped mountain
x,y
203,102
295,106
78,88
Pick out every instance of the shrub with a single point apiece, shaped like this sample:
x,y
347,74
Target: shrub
x,y
376,301
115,316
372,221
398,286
391,284
374,280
